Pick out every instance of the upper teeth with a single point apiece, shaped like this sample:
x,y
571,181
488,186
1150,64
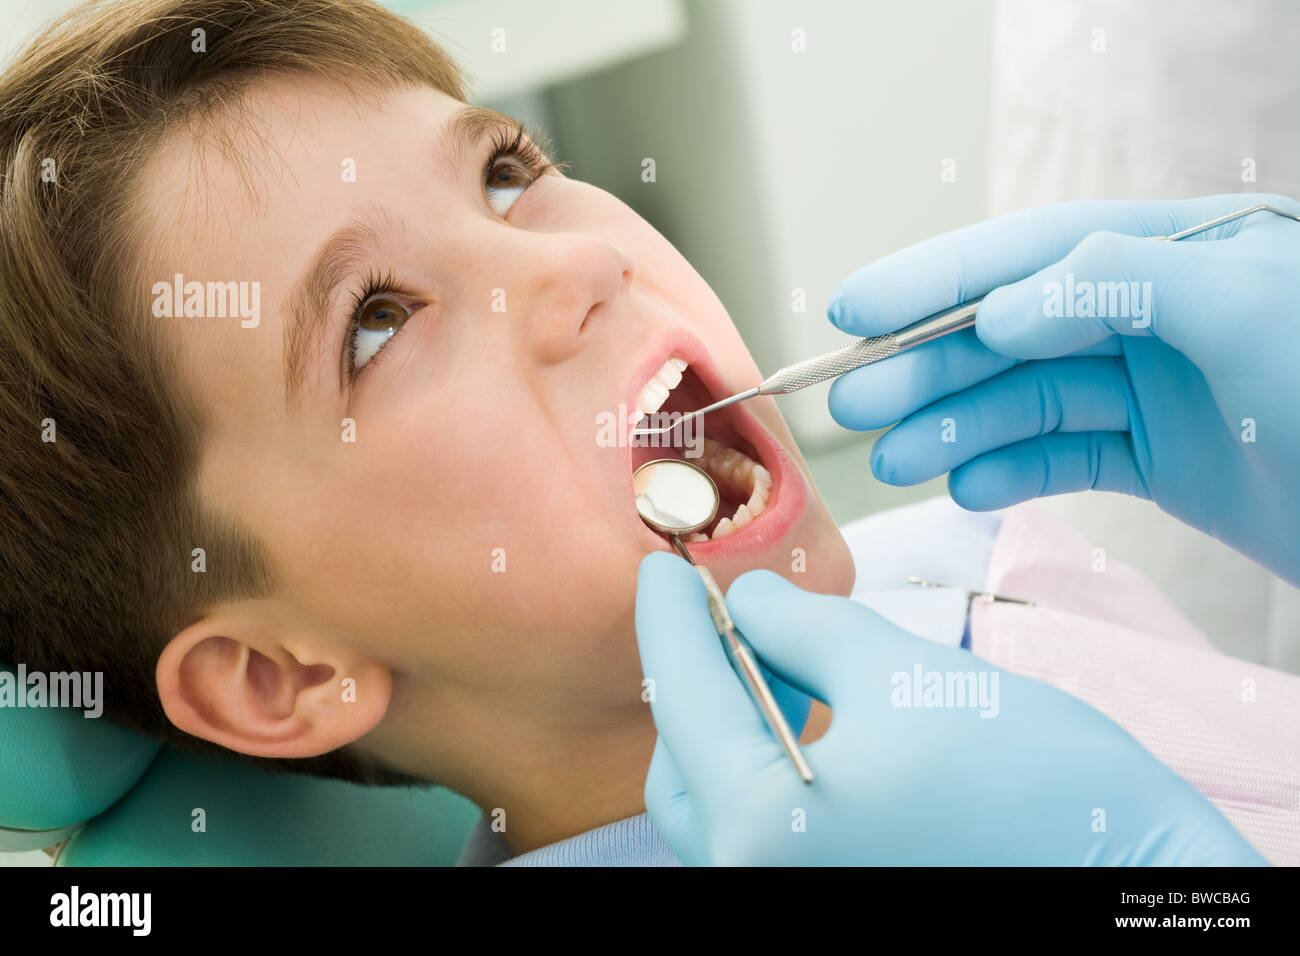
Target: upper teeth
x,y
655,392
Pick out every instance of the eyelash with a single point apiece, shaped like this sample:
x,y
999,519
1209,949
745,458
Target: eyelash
x,y
515,143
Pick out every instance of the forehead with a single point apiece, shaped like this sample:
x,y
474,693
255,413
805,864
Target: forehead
x,y
290,148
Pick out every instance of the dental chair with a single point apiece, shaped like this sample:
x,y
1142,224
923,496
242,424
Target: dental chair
x,y
107,796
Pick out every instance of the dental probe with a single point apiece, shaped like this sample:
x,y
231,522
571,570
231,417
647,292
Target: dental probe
x,y
876,348
675,497
989,596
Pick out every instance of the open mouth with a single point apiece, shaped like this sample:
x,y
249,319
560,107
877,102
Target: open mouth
x,y
745,485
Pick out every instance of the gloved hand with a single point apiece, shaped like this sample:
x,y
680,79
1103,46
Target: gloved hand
x,y
1189,397
1031,784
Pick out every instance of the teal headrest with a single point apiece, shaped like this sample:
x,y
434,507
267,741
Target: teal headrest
x,y
58,767
150,805
197,811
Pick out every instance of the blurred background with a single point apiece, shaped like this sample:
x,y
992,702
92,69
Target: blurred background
x,y
796,141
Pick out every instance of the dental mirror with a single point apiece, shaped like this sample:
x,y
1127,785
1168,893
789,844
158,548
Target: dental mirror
x,y
675,497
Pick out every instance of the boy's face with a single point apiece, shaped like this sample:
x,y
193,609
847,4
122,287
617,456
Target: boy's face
x,y
461,510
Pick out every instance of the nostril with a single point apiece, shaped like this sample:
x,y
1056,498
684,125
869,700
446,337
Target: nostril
x,y
586,319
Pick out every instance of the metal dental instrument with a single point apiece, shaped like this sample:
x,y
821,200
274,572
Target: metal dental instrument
x,y
989,596
675,498
876,348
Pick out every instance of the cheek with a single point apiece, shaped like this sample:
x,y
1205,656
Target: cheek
x,y
833,572
477,531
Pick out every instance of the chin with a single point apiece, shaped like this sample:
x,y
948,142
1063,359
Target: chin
x,y
817,559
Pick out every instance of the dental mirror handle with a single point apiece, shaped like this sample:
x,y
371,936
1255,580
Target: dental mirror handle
x,y
743,661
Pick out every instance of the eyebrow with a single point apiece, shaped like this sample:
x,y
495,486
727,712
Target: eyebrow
x,y
341,253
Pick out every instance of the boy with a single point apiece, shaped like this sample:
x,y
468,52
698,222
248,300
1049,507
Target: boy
x,y
338,528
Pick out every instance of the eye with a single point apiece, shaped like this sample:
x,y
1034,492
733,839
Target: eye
x,y
505,182
515,163
374,323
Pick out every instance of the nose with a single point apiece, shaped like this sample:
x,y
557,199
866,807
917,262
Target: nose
x,y
565,282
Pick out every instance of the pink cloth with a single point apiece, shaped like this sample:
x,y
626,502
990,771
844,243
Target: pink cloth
x,y
1108,637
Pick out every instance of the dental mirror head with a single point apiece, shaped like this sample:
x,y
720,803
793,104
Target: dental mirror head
x,y
674,496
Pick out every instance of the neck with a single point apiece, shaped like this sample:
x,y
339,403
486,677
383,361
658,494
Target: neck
x,y
545,776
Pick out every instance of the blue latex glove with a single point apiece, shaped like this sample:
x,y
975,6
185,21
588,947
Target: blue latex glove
x,y
1199,410
894,785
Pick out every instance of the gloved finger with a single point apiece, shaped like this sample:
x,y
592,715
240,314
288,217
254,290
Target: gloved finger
x,y
876,396
822,643
969,262
1034,398
701,710
669,806
1053,464
1108,285
1119,284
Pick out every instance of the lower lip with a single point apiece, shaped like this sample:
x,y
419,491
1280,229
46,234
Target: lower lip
x,y
784,505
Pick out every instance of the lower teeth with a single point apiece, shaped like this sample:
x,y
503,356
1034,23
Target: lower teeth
x,y
739,476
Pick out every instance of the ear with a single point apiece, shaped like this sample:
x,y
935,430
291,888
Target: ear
x,y
238,679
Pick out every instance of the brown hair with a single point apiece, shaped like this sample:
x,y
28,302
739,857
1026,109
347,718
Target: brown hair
x,y
98,525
